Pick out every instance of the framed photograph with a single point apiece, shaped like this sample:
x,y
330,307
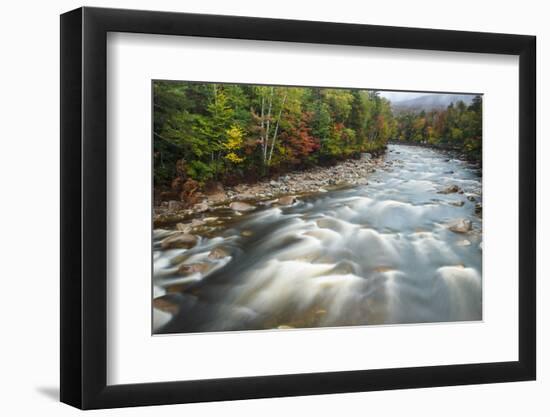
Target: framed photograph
x,y
256,208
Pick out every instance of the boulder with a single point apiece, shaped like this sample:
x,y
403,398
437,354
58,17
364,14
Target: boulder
x,y
215,192
241,207
456,203
287,200
218,253
245,196
167,303
197,222
200,207
174,205
450,189
217,198
460,226
184,227
188,269
268,203
159,234
188,227
179,241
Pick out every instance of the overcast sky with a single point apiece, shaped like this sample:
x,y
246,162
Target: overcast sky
x,y
396,96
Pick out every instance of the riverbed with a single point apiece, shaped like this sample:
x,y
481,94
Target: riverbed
x,y
387,251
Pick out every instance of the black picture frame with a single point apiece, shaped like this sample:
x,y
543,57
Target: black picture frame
x,y
84,207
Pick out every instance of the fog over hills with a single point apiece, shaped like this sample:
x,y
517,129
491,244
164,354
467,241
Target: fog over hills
x,y
428,102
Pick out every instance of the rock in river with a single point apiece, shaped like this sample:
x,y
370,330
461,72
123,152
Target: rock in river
x,y
460,226
168,303
478,208
183,227
188,269
240,206
218,253
287,200
450,189
179,241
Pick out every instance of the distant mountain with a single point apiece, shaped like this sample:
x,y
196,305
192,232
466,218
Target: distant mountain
x,y
431,102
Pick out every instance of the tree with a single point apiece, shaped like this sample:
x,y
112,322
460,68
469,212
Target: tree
x,y
458,126
234,145
212,129
231,131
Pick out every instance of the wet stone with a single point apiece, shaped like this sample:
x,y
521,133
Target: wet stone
x,y
218,253
179,241
241,207
167,303
451,189
460,226
287,200
188,269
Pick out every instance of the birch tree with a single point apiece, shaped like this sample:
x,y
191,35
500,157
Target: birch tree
x,y
269,127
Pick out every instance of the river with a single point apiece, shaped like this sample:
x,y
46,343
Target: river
x,y
380,253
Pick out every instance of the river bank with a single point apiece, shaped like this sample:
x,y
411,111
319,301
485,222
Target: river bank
x,y
283,190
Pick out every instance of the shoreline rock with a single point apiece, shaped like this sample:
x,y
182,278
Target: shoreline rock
x,y
179,241
283,190
240,206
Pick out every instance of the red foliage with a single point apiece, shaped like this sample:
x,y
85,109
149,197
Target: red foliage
x,y
299,140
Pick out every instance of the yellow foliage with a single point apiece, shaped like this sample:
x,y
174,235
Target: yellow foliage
x,y
233,144
234,138
233,157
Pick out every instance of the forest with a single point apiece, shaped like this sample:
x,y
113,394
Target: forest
x,y
232,133
457,127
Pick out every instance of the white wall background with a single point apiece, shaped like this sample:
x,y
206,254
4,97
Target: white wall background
x,y
29,174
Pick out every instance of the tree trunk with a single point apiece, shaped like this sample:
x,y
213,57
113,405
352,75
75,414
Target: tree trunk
x,y
267,125
262,125
276,129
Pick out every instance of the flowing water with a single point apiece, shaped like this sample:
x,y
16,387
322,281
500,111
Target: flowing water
x,y
380,253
